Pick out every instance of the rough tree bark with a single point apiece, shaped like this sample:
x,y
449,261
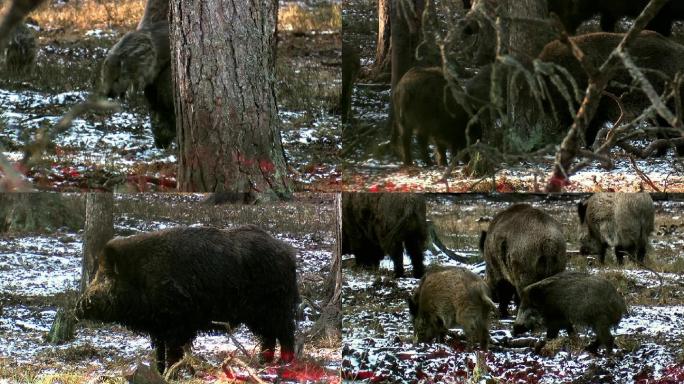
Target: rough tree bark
x,y
155,10
99,228
223,60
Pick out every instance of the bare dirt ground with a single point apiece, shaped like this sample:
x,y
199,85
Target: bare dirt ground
x,y
40,273
371,164
377,330
115,151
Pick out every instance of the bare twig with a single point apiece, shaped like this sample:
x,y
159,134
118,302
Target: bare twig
x,y
642,175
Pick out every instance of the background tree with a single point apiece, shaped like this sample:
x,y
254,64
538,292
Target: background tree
x,y
99,229
223,58
381,64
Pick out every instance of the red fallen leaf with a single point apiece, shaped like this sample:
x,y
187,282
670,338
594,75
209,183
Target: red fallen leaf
x,y
374,188
363,375
390,186
504,187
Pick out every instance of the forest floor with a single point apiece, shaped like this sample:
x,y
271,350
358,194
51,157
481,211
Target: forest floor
x,y
115,151
371,164
377,329
40,273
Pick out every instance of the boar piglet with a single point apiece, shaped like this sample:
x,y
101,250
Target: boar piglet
x,y
571,299
451,297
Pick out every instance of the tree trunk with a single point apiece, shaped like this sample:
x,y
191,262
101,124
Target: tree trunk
x,y
99,228
40,212
381,66
329,324
223,60
527,35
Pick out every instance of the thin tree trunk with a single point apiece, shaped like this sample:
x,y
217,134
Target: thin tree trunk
x,y
99,228
381,66
329,324
223,60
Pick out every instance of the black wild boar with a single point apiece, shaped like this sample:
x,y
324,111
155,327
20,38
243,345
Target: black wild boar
x,y
173,283
379,224
620,220
447,298
523,245
424,106
568,299
573,12
656,55
141,59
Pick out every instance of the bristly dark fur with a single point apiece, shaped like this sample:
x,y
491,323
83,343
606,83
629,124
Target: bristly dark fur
x,y
379,224
522,246
570,299
573,12
173,283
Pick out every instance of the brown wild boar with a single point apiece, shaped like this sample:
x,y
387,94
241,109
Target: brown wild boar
x,y
620,220
573,12
451,297
171,284
569,299
523,245
141,59
379,224
425,107
660,58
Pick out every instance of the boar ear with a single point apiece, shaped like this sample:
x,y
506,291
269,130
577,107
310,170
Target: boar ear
x,y
483,237
412,305
582,210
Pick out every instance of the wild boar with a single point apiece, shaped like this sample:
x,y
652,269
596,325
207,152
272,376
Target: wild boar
x,y
447,298
569,299
573,12
425,107
173,283
379,224
620,220
141,59
660,58
523,245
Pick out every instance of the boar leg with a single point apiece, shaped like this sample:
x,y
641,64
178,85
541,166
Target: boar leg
x,y
504,293
287,342
608,22
423,145
641,253
405,145
397,256
602,252
268,344
415,251
621,252
174,353
440,155
160,353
